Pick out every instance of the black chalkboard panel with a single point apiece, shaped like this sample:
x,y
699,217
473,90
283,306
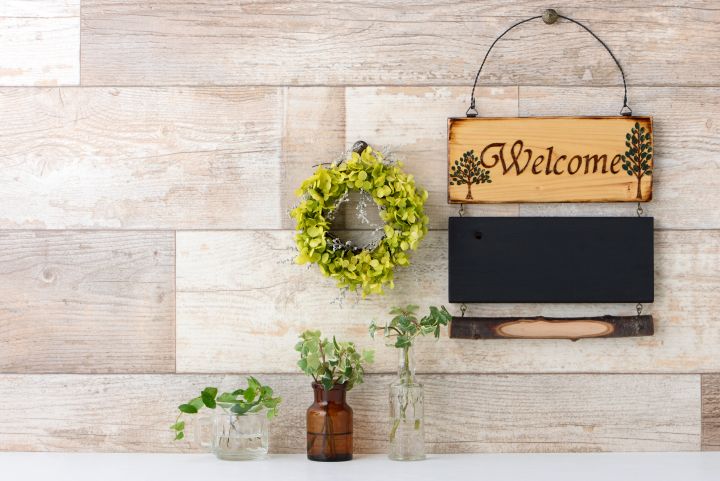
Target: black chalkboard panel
x,y
551,259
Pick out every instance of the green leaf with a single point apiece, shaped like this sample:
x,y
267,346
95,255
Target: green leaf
x,y
208,400
211,391
368,356
254,383
249,394
327,383
188,408
178,426
266,392
197,403
179,436
227,398
240,408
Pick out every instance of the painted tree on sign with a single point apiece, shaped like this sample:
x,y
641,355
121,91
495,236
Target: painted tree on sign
x,y
637,161
467,171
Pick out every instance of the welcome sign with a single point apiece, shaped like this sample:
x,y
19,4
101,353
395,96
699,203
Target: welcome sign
x,y
550,159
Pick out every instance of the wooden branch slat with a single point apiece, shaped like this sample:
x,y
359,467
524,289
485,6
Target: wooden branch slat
x,y
550,328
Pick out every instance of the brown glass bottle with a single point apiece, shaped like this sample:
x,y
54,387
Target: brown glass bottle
x,y
329,425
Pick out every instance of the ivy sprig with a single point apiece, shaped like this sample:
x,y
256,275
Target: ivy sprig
x,y
330,362
405,326
254,398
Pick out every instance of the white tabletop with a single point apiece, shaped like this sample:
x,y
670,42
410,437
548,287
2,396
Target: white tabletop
x,y
491,467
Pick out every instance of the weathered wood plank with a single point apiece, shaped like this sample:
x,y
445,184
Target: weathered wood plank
x,y
686,125
464,413
393,42
91,302
40,42
241,297
141,158
174,157
711,413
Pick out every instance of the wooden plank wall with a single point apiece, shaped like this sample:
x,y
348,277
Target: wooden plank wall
x,y
149,152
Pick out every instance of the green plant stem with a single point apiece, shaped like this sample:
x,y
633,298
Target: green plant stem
x,y
329,430
406,363
406,379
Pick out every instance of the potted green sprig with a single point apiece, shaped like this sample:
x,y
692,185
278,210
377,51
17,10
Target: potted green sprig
x,y
238,426
336,367
406,393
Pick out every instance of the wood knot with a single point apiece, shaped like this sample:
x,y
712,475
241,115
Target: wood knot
x,y
48,275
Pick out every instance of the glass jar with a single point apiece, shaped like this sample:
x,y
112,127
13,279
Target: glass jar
x,y
407,427
329,425
232,436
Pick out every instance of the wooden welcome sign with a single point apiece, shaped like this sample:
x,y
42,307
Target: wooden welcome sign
x,y
550,259
550,159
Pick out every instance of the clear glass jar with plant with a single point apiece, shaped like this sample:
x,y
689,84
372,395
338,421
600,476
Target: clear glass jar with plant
x,y
238,426
407,427
336,367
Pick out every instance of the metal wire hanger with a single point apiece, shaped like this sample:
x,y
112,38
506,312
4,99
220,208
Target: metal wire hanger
x,y
550,16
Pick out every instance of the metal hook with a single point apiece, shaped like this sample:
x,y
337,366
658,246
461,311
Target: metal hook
x,y
550,16
359,146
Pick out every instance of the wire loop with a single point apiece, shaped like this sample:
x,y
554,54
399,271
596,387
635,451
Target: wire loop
x,y
625,110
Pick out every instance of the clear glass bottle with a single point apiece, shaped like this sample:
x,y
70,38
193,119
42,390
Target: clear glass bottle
x,y
233,436
407,426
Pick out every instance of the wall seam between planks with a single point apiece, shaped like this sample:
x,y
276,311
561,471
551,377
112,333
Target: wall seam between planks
x,y
175,291
80,43
702,412
378,373
280,229
368,85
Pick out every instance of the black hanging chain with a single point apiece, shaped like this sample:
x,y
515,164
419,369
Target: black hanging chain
x,y
549,17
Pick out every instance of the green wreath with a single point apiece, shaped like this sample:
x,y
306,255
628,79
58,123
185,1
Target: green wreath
x,y
401,208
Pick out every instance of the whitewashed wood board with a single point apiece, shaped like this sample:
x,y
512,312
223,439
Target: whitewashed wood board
x,y
92,302
40,42
141,158
240,297
464,413
392,42
197,158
